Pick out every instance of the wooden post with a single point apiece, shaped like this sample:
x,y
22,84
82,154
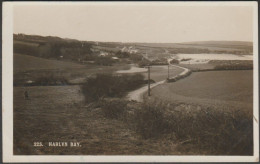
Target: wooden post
x,y
168,71
149,94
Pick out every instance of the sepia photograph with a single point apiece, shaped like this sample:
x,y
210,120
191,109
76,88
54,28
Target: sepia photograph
x,y
130,81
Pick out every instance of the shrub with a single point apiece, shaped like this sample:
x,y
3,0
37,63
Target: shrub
x,y
50,80
214,130
144,63
174,61
114,108
108,85
26,49
149,120
136,57
178,77
121,54
185,59
104,60
53,48
234,67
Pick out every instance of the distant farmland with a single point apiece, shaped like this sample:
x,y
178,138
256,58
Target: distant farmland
x,y
30,68
26,63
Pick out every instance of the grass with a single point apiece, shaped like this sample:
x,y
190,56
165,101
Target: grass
x,y
27,63
215,130
214,87
118,127
58,113
32,68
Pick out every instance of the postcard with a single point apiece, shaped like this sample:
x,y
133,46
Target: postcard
x,y
130,82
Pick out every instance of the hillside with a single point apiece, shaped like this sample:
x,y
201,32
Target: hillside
x,y
236,43
102,53
30,63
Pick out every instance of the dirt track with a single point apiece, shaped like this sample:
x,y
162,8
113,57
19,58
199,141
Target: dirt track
x,y
137,95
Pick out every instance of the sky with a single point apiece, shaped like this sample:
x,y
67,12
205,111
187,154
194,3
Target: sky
x,y
135,22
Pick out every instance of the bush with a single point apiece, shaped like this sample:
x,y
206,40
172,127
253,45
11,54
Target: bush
x,y
213,130
174,61
114,108
136,57
108,85
104,60
178,77
121,54
234,67
53,48
161,61
26,49
144,63
50,80
149,120
185,59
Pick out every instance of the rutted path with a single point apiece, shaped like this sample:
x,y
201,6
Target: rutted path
x,y
137,95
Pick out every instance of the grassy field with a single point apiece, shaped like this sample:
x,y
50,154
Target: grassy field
x,y
58,113
27,63
30,68
213,108
223,88
26,43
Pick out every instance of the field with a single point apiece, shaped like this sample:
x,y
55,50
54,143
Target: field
x,y
206,113
219,88
31,68
58,113
28,63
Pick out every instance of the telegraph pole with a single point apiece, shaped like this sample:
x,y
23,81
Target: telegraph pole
x,y
168,71
149,92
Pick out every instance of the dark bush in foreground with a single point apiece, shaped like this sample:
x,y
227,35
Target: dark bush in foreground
x,y
210,130
114,108
107,85
150,122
